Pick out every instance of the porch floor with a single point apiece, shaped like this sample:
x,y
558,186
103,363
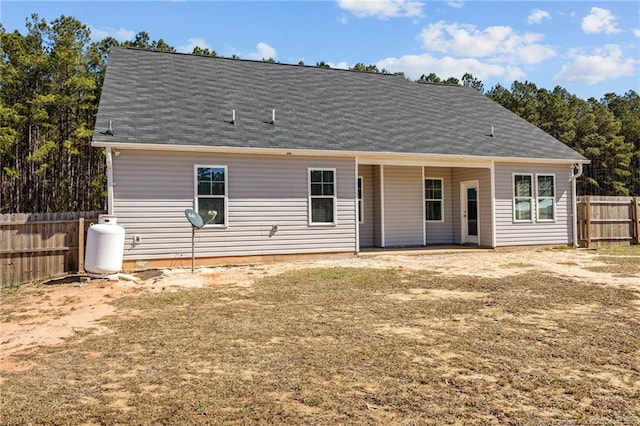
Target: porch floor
x,y
419,250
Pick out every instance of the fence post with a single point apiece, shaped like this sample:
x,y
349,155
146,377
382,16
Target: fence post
x,y
81,245
587,219
636,220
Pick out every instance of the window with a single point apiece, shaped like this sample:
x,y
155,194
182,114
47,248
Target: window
x,y
523,197
546,197
211,193
322,196
433,200
360,204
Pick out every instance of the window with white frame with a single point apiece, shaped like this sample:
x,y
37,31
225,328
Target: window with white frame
x,y
433,200
360,203
523,198
322,196
211,193
546,197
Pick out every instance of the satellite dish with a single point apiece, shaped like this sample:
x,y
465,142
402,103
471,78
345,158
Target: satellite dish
x,y
194,218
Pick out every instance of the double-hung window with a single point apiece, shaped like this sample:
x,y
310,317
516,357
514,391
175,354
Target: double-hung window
x,y
546,197
525,194
322,196
433,200
523,198
211,193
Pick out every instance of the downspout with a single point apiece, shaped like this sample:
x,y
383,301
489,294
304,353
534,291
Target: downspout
x,y
109,161
574,176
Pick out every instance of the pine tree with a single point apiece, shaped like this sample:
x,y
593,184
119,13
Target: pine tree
x,y
555,114
627,109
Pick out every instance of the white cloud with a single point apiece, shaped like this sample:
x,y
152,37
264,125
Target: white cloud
x,y
340,65
263,51
599,21
456,4
343,18
537,16
193,42
120,34
382,9
500,43
414,66
603,64
636,32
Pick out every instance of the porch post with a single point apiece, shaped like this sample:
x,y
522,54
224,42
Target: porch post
x,y
424,215
493,203
357,212
382,239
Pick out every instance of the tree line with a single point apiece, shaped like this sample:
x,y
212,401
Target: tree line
x,y
51,78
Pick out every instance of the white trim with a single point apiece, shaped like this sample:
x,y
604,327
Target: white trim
x,y
492,173
364,157
424,198
355,167
424,212
413,161
226,192
334,197
464,226
383,241
553,198
478,211
110,184
513,198
535,198
360,211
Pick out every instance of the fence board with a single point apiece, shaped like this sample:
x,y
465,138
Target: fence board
x,y
636,219
606,220
37,246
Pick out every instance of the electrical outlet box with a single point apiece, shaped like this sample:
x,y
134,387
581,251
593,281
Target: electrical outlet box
x,y
137,239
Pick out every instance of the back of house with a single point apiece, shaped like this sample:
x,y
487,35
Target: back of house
x,y
301,160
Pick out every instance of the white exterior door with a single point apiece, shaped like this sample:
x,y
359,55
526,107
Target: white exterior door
x,y
469,211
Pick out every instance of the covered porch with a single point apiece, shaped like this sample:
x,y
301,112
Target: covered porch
x,y
425,205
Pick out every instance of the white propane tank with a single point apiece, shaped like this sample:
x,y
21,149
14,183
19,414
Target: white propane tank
x,y
105,246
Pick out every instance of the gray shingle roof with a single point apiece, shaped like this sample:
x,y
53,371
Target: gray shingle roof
x,y
169,98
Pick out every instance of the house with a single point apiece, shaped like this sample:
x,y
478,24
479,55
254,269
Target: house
x,y
297,159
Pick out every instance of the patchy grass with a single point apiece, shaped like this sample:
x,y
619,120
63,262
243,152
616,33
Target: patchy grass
x,y
620,250
518,265
626,266
357,346
622,261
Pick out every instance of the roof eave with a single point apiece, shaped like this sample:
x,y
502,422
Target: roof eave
x,y
372,156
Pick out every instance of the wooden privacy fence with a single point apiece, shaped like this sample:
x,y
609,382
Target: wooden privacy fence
x,y
37,246
606,220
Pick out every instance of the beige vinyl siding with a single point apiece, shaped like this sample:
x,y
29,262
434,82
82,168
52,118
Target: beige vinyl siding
x,y
367,227
510,233
441,232
152,190
483,176
403,206
377,205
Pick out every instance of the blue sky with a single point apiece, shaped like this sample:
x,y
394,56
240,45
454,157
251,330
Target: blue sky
x,y
590,48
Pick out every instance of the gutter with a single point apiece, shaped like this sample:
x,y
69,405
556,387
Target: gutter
x,y
574,176
364,157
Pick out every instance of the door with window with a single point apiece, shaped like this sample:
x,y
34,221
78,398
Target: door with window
x,y
469,211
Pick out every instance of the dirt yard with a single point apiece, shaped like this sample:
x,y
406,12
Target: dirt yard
x,y
42,317
50,313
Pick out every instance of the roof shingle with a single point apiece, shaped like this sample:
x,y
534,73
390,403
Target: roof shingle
x,y
179,99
